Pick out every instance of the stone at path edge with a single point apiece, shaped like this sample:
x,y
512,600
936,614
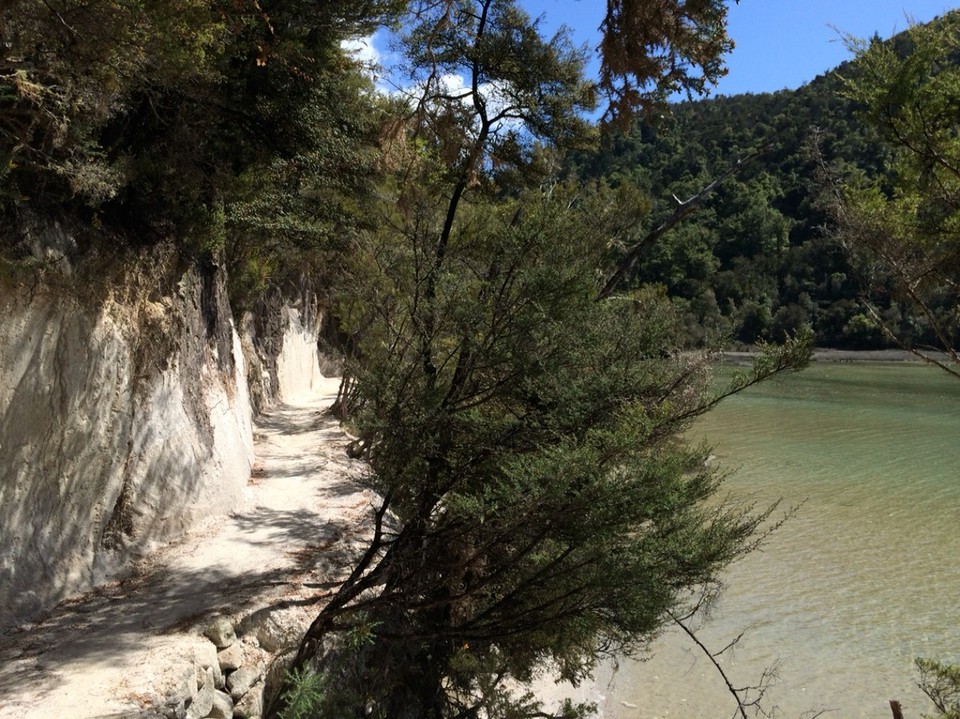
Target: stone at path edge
x,y
220,631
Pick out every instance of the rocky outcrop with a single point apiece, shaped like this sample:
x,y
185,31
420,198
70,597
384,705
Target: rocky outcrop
x,y
124,420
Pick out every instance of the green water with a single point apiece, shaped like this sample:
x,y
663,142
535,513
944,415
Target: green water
x,y
863,578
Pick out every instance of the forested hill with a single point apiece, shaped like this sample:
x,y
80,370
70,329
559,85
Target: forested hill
x,y
756,261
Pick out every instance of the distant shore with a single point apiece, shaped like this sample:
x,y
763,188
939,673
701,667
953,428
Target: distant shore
x,y
825,354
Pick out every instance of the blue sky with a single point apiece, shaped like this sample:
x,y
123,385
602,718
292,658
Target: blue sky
x,y
780,43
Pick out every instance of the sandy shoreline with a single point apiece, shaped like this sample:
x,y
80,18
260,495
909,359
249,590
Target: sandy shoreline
x,y
826,354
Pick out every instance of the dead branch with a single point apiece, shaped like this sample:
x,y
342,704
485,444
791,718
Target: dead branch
x,y
681,211
739,694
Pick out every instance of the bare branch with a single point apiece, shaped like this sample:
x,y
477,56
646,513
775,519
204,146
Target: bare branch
x,y
683,210
63,22
739,694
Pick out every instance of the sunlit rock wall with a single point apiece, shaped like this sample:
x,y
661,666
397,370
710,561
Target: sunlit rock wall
x,y
281,344
124,420
299,362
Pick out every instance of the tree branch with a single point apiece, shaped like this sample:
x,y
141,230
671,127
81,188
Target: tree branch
x,y
735,692
51,8
682,210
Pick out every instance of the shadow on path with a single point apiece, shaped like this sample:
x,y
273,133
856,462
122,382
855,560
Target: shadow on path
x,y
299,531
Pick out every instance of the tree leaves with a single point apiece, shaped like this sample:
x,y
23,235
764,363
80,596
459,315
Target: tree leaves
x,y
904,226
653,49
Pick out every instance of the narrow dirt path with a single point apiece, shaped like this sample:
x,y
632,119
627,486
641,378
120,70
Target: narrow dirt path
x,y
111,652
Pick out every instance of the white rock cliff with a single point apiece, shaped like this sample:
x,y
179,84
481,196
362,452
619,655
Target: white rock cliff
x,y
123,422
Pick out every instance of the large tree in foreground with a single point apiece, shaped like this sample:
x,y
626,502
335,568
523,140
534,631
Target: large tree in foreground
x,y
522,419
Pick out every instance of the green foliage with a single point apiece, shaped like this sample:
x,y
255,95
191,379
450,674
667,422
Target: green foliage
x,y
224,127
903,225
746,265
523,428
304,694
941,682
520,90
754,261
297,214
525,437
362,634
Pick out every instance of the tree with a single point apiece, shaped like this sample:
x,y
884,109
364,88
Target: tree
x,y
522,420
189,122
653,49
903,226
941,683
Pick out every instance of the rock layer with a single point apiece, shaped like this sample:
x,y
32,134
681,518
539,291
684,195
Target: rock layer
x,y
124,420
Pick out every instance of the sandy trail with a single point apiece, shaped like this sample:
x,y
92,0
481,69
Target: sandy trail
x,y
111,652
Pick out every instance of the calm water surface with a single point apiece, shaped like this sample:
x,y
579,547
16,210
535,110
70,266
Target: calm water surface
x,y
864,577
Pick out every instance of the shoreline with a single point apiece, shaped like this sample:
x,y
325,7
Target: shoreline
x,y
828,355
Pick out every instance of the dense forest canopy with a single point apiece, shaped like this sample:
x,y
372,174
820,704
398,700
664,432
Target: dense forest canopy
x,y
754,262
223,128
246,128
761,259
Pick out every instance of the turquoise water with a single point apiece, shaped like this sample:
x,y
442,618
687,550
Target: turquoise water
x,y
864,576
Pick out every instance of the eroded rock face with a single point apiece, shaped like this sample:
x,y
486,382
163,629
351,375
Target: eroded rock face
x,y
299,362
123,421
282,340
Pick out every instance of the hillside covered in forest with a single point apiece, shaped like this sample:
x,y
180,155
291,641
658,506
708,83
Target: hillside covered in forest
x,y
759,258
